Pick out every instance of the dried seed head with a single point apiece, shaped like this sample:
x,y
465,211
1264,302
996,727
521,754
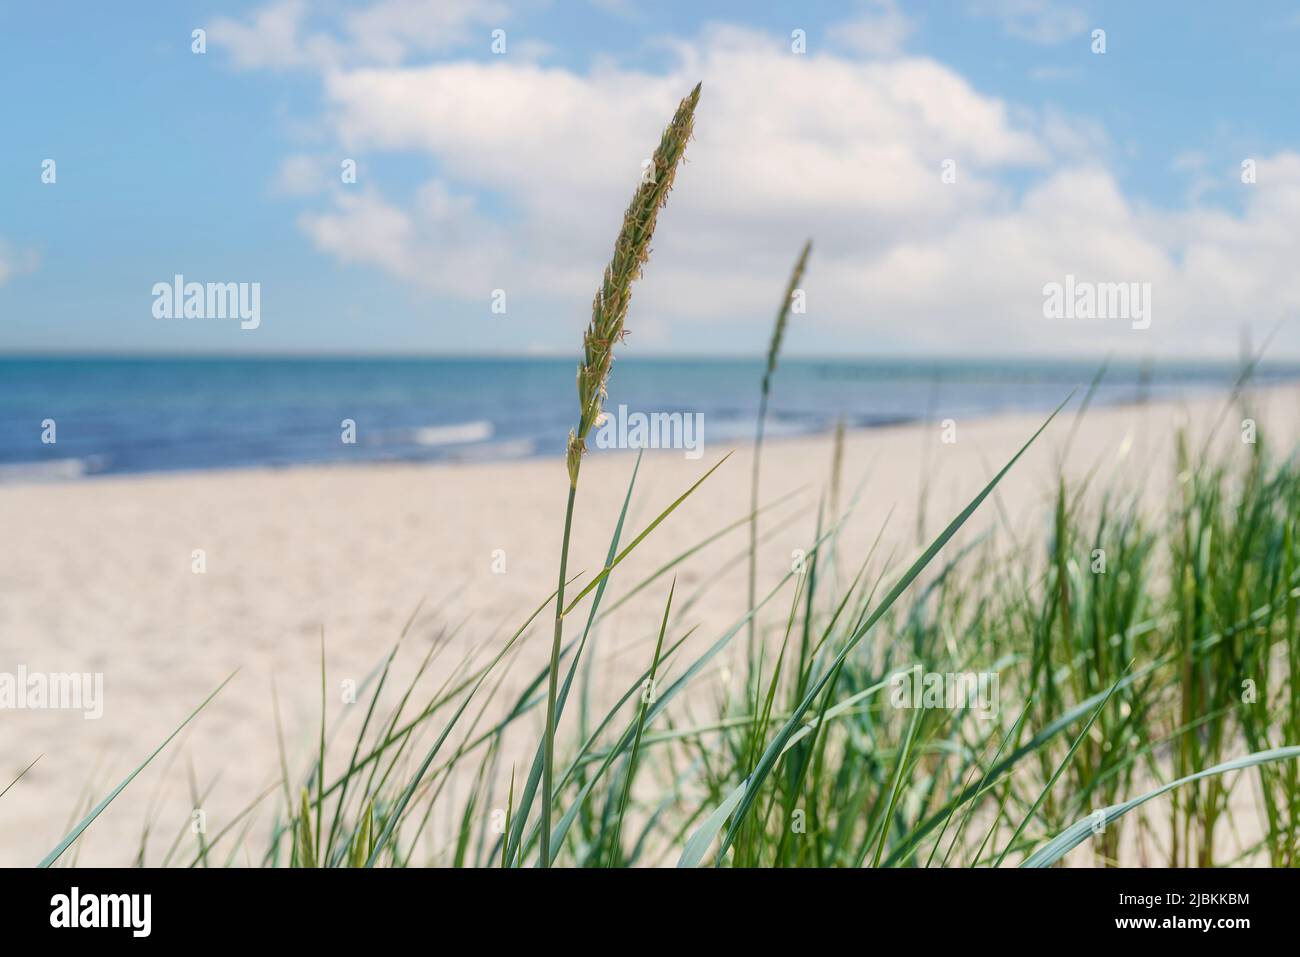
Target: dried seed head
x,y
778,333
631,252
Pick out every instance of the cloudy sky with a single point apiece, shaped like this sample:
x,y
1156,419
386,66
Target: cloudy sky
x,y
482,169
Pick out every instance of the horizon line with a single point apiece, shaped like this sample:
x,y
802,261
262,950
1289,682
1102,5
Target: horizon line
x,y
1151,359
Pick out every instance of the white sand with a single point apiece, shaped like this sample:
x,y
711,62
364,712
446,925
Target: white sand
x,y
96,576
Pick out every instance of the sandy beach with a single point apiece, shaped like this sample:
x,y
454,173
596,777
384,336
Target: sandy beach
x,y
100,576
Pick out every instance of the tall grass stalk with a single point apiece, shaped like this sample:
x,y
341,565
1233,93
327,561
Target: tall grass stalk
x,y
773,351
608,312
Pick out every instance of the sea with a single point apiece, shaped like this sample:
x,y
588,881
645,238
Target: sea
x,y
116,415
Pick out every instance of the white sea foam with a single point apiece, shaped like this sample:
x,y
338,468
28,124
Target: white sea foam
x,y
459,434
54,470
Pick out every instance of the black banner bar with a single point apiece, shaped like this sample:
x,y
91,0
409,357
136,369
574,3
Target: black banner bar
x,y
363,907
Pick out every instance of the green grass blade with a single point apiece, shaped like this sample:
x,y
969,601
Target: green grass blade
x,y
98,809
534,778
775,749
646,531
20,775
1078,832
698,844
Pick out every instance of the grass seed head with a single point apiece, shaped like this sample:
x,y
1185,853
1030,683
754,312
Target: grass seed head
x,y
782,317
631,251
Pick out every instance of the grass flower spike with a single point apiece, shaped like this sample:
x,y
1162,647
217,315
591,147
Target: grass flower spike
x,y
608,311
631,251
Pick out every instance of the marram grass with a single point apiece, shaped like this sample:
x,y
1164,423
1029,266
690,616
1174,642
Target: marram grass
x,y
773,353
608,313
1139,698
631,252
1126,726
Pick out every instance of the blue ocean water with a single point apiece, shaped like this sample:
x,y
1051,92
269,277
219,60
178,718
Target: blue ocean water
x,y
117,415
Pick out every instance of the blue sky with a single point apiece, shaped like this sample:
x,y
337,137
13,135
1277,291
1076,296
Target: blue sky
x,y
480,171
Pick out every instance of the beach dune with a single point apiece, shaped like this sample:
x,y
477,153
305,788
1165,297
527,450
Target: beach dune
x,y
165,584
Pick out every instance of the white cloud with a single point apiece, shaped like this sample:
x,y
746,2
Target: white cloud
x,y
285,35
778,133
438,242
271,40
536,164
390,30
775,155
